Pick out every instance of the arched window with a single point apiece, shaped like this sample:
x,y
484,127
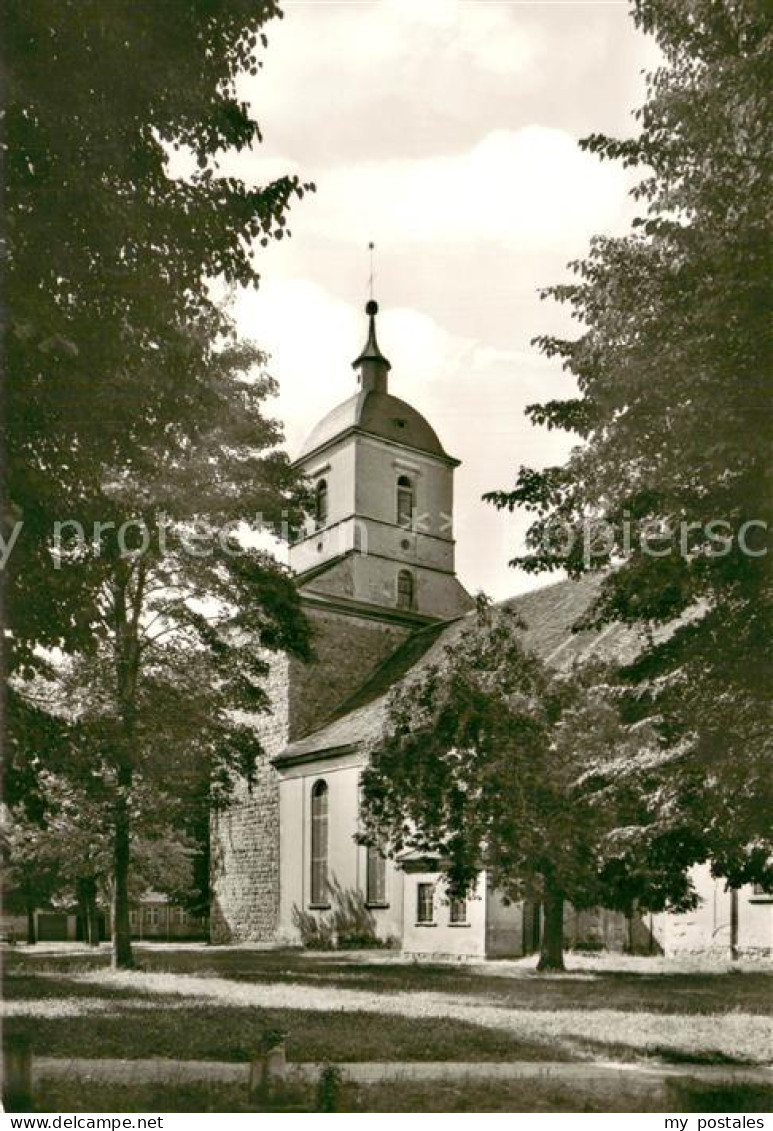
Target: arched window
x,y
375,893
320,503
404,501
319,894
405,590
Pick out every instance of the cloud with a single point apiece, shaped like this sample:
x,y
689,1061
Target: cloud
x,y
532,189
347,81
311,338
482,35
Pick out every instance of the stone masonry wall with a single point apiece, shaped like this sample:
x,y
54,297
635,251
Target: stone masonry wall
x,y
245,838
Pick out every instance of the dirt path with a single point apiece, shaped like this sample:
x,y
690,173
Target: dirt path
x,y
186,1071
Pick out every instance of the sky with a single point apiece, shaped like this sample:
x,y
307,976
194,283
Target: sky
x,y
446,132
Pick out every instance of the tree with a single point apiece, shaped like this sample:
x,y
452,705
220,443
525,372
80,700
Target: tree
x,y
491,761
163,702
673,479
32,873
64,856
112,327
133,414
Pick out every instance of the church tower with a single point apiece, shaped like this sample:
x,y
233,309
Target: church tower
x,y
374,565
381,539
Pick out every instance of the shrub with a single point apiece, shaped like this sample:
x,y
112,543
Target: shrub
x,y
348,925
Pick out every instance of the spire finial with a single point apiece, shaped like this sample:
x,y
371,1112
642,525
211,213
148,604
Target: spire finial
x,y
372,364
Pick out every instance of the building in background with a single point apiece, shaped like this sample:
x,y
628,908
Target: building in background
x,y
153,918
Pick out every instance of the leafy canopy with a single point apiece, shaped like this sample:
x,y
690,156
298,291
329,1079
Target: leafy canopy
x,y
490,760
673,369
114,342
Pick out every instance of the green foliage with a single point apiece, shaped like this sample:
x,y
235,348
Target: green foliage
x,y
114,343
131,402
673,368
489,760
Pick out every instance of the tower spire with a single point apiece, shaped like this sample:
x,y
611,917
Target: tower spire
x,y
372,365
371,249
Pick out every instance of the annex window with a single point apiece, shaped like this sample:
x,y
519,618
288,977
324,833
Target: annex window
x,y
405,590
404,501
182,917
134,919
319,837
457,911
151,916
425,903
320,503
375,883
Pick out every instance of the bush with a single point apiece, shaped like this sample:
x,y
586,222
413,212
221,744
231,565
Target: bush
x,y
348,925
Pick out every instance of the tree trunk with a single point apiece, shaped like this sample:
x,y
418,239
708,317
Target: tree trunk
x,y
123,957
32,936
551,958
93,923
734,924
127,608
87,899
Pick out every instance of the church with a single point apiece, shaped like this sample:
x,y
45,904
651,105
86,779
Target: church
x,y
376,576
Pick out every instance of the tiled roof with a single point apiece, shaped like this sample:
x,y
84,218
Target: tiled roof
x,y
549,614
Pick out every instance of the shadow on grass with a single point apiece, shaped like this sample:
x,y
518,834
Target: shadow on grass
x,y
410,1096
192,1029
685,993
618,1050
36,987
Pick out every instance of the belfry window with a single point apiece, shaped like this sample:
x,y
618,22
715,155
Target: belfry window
x,y
320,503
375,884
319,846
405,501
405,590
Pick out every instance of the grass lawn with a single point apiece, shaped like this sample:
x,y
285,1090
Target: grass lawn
x,y
210,1003
473,1096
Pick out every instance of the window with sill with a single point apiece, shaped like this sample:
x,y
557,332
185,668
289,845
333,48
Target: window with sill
x,y
457,912
319,843
425,903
